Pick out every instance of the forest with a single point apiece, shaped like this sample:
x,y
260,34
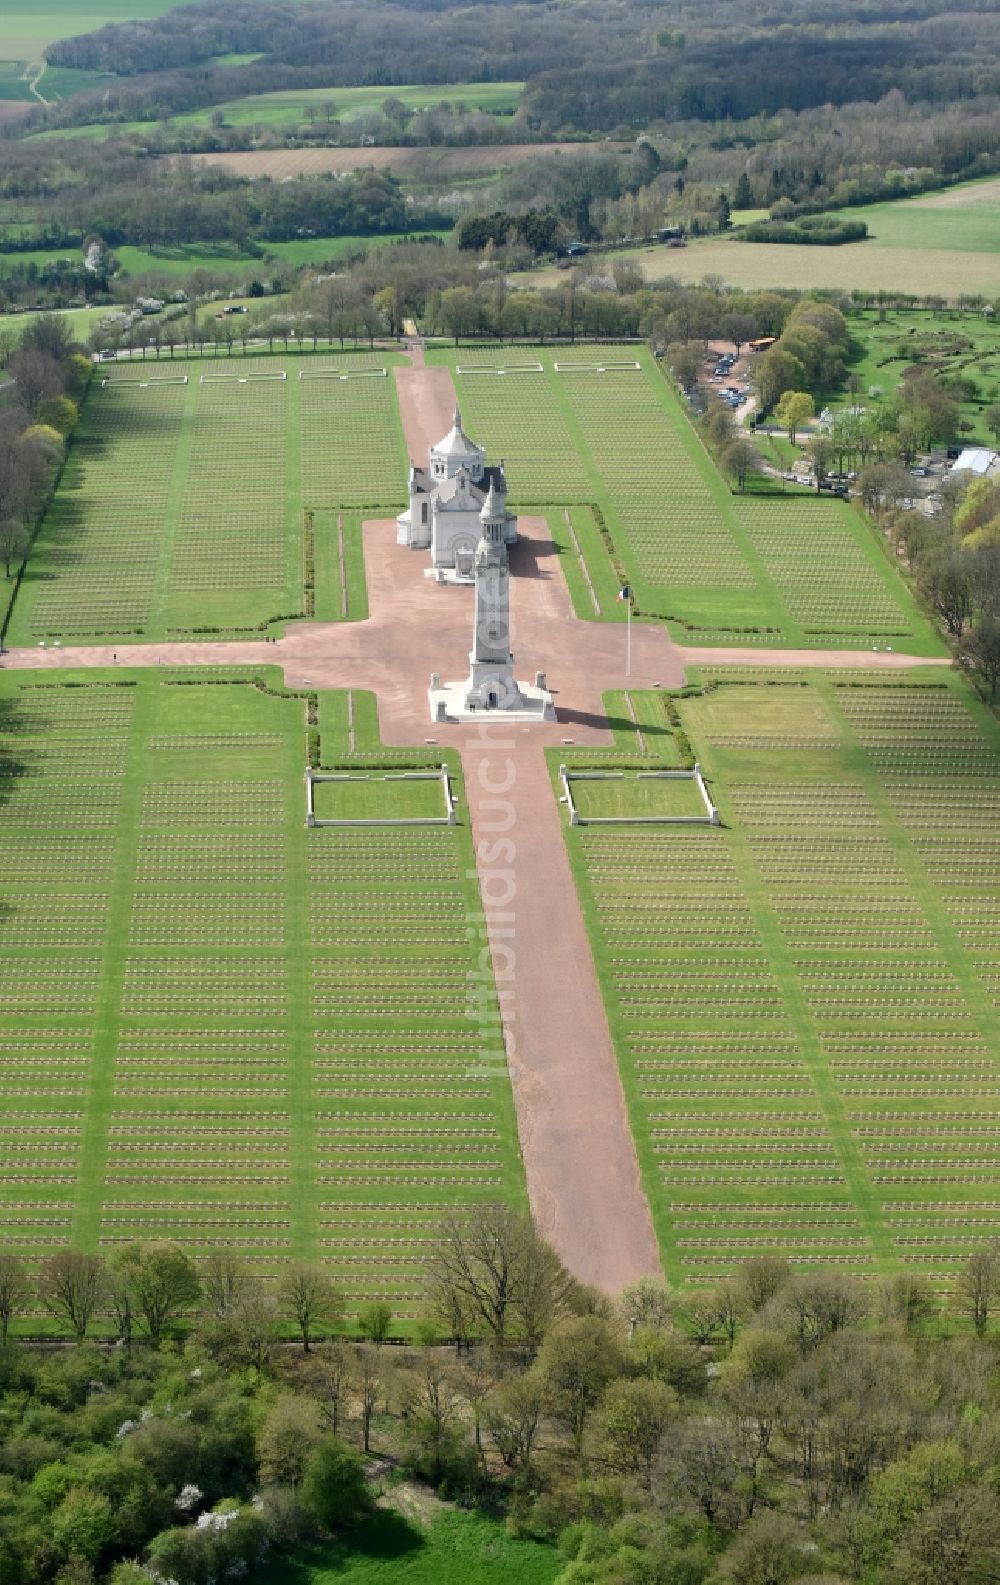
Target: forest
x,y
620,65
775,1429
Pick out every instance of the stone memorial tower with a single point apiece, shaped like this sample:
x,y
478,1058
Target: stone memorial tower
x,y
491,684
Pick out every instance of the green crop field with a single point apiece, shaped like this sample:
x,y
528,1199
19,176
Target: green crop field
x,y
218,1025
805,1002
796,570
228,461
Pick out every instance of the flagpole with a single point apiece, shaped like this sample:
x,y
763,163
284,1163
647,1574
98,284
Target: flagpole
x,y
625,593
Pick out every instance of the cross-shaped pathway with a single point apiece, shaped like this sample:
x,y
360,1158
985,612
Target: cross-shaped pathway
x,y
579,1156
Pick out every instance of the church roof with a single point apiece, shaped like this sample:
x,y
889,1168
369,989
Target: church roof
x,y
457,443
460,484
443,491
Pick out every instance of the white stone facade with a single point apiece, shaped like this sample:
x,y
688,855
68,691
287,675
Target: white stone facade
x,y
445,502
491,684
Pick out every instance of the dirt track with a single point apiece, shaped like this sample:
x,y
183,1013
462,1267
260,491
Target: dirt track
x,y
579,1157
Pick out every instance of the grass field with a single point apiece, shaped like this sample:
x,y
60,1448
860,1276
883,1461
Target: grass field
x,y
378,795
805,1002
942,244
217,1024
214,543
80,320
797,570
282,111
456,1549
636,797
962,219
229,259
61,82
13,82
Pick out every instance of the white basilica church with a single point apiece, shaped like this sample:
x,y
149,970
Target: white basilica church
x,y
446,502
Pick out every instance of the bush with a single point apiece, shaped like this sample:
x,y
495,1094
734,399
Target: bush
x,y
816,229
334,1492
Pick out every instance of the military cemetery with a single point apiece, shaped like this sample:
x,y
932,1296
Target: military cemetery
x,y
237,1016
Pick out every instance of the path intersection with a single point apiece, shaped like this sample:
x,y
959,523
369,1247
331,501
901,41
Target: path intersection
x,y
579,1157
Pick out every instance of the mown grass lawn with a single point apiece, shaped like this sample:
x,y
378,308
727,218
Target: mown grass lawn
x,y
606,451
637,797
215,544
220,1026
803,1002
288,109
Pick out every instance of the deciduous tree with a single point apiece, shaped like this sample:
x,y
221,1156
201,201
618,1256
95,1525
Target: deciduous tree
x,y
72,1286
306,1293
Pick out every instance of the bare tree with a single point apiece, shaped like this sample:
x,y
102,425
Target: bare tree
x,y
306,1292
329,1377
978,1285
495,1268
369,1384
819,451
432,1408
15,1289
72,1286
822,1302
246,1332
760,1277
476,1380
13,542
223,1279
36,375
907,1298
741,459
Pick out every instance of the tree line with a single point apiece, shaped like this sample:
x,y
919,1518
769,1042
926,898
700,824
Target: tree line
x,y
778,1427
46,379
954,557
